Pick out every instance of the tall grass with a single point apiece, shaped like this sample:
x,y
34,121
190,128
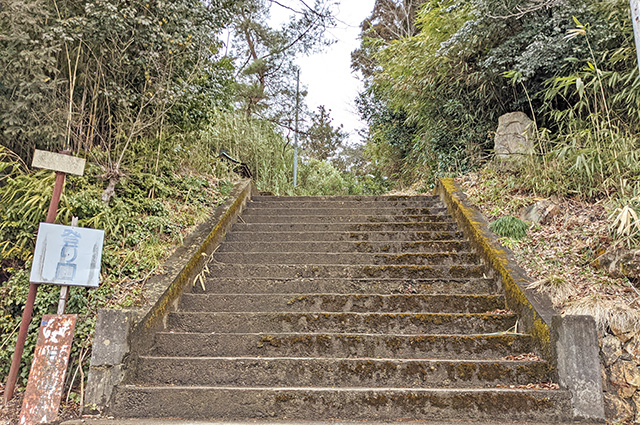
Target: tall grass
x,y
256,143
269,156
588,160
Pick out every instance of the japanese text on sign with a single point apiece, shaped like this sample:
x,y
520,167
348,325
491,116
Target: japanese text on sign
x,y
67,256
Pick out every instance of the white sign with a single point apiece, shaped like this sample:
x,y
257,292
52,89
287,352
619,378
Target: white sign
x,y
67,255
58,162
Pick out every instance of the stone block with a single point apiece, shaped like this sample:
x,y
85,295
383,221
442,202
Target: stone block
x,y
540,213
611,349
514,136
111,344
100,384
618,410
620,262
110,348
576,346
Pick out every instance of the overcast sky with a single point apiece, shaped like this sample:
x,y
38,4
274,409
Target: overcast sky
x,y
328,75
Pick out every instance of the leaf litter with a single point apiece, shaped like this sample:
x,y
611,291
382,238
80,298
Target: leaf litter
x,y
558,255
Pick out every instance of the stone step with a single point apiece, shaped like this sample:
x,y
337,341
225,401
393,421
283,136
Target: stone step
x,y
369,323
320,219
401,204
346,227
299,285
278,257
342,308
343,271
346,246
341,345
275,421
234,403
326,236
266,209
323,372
330,200
348,303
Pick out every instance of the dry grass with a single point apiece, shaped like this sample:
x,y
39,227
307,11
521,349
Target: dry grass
x,y
607,312
556,287
416,189
558,256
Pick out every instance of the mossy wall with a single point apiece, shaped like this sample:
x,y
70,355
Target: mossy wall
x,y
164,291
534,310
121,335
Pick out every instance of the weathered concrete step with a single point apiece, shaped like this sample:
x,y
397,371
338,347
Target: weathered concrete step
x,y
369,323
338,199
343,403
348,204
299,285
323,372
355,303
346,246
346,227
287,271
320,236
461,347
440,259
266,209
173,421
319,219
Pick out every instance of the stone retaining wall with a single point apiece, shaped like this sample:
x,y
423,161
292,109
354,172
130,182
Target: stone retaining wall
x,y
620,362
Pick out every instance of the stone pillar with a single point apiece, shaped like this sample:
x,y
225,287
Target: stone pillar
x,y
575,341
110,349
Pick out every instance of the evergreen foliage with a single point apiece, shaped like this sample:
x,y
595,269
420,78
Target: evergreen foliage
x,y
321,140
105,72
434,97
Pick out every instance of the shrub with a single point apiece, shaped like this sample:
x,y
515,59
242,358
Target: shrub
x,y
510,227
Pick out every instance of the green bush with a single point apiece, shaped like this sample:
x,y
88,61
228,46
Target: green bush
x,y
510,227
320,178
146,219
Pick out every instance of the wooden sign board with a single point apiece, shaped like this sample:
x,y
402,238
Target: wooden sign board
x,y
67,255
58,162
50,361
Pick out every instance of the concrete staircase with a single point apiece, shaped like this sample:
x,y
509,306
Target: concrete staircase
x,y
367,308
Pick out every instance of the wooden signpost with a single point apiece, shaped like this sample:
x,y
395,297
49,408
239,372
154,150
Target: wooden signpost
x,y
64,256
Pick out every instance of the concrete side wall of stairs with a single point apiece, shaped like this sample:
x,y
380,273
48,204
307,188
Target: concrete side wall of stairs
x,y
116,329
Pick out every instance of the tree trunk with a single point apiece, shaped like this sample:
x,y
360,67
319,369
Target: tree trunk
x,y
110,190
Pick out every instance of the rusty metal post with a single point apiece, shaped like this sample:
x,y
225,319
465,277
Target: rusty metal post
x,y
46,378
31,297
55,198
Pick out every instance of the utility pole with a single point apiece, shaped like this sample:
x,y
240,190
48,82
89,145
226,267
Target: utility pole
x,y
295,136
635,17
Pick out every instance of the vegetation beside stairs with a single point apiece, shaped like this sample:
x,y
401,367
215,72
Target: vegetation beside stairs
x,y
373,325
